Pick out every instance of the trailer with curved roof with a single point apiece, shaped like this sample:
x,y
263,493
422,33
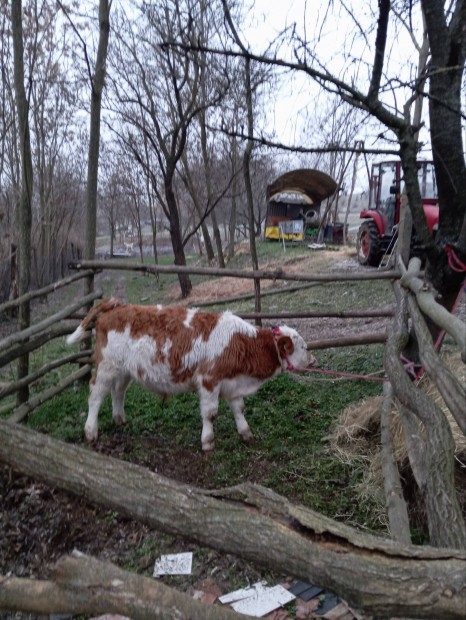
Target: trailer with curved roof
x,y
294,202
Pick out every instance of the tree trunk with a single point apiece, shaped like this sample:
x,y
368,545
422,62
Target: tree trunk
x,y
13,294
209,248
247,156
247,183
97,86
218,240
440,496
152,213
353,184
208,176
371,573
175,235
234,188
25,201
112,237
448,53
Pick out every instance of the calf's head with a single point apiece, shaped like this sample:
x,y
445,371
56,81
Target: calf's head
x,y
292,348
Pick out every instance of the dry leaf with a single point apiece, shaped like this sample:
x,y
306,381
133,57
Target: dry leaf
x,y
305,609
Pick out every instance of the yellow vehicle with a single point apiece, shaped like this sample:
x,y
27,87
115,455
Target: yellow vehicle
x,y
294,203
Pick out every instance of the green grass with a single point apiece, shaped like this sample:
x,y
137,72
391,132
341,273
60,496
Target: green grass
x,y
289,418
145,288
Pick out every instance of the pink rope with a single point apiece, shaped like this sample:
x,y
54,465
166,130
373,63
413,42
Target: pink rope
x,y
348,375
454,262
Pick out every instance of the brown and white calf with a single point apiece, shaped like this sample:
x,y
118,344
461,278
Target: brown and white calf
x,y
174,349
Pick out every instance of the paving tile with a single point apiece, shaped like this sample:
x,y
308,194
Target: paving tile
x,y
329,601
305,591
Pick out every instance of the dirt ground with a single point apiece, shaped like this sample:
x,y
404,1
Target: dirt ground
x,y
38,523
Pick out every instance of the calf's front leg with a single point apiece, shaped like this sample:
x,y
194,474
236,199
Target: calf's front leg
x,y
237,406
99,389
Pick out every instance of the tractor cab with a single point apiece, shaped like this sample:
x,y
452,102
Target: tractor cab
x,y
378,233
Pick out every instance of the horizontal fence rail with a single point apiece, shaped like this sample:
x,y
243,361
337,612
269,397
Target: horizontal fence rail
x,y
25,334
348,341
276,274
51,288
34,337
353,314
22,411
14,386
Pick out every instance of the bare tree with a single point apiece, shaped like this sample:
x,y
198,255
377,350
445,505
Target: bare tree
x,y
96,81
248,150
132,186
446,254
97,86
190,176
160,109
25,198
53,107
54,137
447,39
110,203
10,169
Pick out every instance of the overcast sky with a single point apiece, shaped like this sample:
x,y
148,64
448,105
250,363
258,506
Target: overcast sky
x,y
334,41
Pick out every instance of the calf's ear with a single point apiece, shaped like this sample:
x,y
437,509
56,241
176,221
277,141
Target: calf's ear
x,y
285,345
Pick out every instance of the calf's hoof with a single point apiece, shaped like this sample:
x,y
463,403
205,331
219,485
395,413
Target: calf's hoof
x,y
208,446
119,420
91,434
247,436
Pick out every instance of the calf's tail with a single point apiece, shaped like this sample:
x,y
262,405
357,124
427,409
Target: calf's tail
x,y
81,331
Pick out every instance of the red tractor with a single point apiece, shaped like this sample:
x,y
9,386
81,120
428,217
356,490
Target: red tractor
x,y
378,232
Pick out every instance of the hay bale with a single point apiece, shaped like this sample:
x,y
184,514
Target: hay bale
x,y
356,436
355,439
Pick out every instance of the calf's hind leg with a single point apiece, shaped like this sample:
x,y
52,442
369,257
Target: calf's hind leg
x,y
118,398
99,389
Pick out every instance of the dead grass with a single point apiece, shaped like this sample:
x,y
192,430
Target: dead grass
x,y
308,262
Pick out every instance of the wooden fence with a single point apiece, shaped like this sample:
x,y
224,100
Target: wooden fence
x,y
58,324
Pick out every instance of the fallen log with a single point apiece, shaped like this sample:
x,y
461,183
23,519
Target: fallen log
x,y
372,574
85,585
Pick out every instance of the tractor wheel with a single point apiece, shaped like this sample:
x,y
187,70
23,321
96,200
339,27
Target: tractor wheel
x,y
369,244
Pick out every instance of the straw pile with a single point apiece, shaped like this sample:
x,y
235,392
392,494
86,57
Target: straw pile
x,y
355,440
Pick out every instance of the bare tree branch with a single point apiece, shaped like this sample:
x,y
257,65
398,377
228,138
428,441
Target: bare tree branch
x,y
380,43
